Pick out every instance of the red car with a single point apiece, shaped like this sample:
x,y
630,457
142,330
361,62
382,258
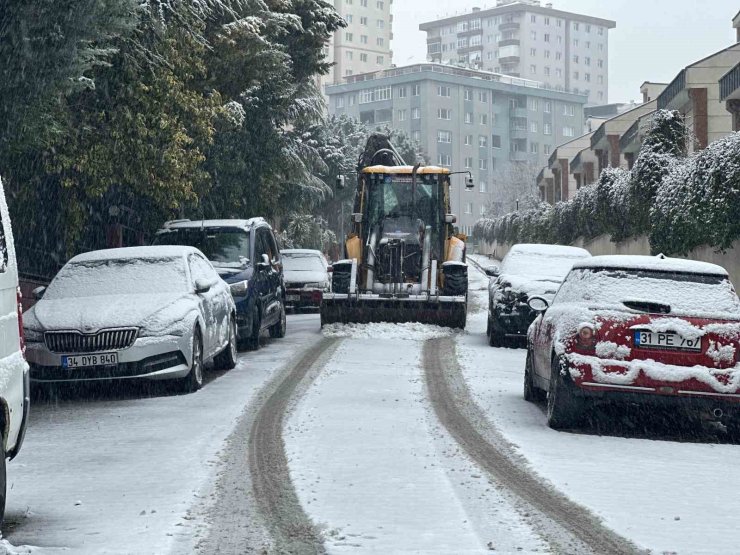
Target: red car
x,y
637,329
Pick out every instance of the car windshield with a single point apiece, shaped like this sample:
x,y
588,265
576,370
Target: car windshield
x,y
294,262
225,247
538,264
128,276
685,293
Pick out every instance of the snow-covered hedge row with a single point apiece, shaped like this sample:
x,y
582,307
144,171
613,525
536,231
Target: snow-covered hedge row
x,y
680,202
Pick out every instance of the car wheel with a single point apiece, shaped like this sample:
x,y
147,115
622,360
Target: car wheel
x,y
226,359
252,342
278,330
194,380
495,337
531,392
564,409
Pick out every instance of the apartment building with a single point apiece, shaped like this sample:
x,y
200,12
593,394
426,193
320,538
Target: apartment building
x,y
564,50
365,44
466,120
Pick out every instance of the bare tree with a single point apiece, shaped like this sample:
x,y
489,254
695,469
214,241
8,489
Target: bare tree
x,y
515,186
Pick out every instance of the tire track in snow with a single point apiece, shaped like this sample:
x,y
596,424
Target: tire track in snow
x,y
277,501
567,526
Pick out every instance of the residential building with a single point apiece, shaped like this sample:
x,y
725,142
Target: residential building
x,y
729,86
736,25
556,182
365,44
564,50
605,140
650,90
467,120
695,93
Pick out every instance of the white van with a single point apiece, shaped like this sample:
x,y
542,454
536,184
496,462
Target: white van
x,y
14,378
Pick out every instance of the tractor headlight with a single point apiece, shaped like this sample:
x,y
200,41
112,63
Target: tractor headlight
x,y
239,289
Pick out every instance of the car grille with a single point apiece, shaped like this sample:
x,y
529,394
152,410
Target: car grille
x,y
76,342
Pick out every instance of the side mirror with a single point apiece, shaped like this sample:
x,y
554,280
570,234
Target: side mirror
x,y
492,272
469,183
538,304
341,181
202,286
450,219
38,293
264,262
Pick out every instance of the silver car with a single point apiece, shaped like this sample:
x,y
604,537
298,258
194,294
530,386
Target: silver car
x,y
157,313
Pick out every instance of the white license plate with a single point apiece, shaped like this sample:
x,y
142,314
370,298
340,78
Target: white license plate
x,y
292,298
82,361
666,340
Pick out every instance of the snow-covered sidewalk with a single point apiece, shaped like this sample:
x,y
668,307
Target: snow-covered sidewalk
x,y
664,495
374,469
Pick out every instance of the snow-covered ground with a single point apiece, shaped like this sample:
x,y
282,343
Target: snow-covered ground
x,y
667,496
119,475
374,469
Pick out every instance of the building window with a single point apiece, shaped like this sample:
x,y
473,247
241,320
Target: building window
x,y
363,39
349,18
575,42
547,71
533,35
533,18
444,113
351,100
348,37
417,90
443,91
444,160
548,107
601,31
560,39
468,94
547,54
600,63
468,140
483,141
496,141
416,136
600,79
558,72
380,41
380,5
532,51
402,92
576,76
381,24
532,69
569,110
402,115
363,3
534,104
534,127
547,129
444,136
381,60
547,21
339,102
569,131
483,119
468,117
483,164
575,58
558,55
469,162
416,113
483,96
363,57
601,95
575,26
587,77
559,22
363,21
469,208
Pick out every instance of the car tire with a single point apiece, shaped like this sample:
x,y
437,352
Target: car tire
x,y
252,342
564,409
278,330
532,393
226,359
495,337
194,380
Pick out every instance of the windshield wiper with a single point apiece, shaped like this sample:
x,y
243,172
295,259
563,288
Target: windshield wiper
x,y
648,306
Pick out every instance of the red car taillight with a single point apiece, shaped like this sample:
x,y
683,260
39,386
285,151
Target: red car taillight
x,y
586,336
19,298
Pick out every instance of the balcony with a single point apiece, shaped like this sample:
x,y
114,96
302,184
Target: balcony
x,y
518,133
509,60
672,90
729,84
469,48
511,26
599,135
518,156
471,32
518,112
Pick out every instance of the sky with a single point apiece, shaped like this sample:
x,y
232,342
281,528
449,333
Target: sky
x,y
653,40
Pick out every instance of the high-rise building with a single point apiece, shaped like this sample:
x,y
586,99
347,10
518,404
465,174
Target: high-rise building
x,y
365,44
494,126
564,50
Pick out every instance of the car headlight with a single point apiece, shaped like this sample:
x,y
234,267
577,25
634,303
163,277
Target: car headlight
x,y
239,289
33,336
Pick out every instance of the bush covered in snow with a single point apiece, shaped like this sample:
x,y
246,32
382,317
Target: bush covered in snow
x,y
680,202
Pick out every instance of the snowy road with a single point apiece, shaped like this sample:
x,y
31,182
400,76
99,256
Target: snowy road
x,y
363,439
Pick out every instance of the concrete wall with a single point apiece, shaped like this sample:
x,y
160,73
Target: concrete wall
x,y
603,245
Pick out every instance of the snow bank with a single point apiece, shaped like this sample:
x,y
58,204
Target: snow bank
x,y
610,350
409,331
6,548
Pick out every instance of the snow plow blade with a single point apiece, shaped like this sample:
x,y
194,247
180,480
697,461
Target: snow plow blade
x,y
364,309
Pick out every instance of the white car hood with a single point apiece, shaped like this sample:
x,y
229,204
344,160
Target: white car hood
x,y
89,314
303,276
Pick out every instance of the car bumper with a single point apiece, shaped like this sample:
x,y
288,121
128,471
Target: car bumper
x,y
514,323
610,383
168,357
303,298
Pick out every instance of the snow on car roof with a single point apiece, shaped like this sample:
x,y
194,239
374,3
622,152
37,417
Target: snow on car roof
x,y
549,250
164,251
187,224
300,251
655,263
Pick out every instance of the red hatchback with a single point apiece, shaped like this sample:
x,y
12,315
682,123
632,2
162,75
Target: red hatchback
x,y
637,329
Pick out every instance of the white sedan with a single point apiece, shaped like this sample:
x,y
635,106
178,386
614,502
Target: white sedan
x,y
156,313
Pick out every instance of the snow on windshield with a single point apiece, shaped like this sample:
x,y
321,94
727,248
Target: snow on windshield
x,y
303,263
129,276
686,293
224,247
535,264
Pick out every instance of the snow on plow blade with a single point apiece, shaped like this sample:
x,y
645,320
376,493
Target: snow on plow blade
x,y
365,309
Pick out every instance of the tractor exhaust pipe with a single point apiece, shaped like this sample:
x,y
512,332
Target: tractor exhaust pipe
x,y
371,244
426,256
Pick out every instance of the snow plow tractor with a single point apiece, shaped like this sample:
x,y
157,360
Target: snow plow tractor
x,y
403,260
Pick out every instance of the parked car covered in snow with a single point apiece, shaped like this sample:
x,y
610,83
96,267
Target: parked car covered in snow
x,y
306,275
156,313
245,254
637,329
527,270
